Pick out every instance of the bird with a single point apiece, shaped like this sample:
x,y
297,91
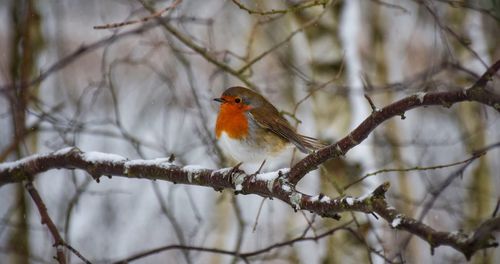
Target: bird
x,y
251,129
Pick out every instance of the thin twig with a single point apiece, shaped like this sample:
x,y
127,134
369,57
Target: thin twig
x,y
294,8
372,105
416,168
72,57
44,215
198,49
279,44
141,20
243,256
254,227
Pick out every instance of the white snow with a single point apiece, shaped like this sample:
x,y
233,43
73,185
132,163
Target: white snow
x,y
295,199
64,151
396,221
284,170
271,176
324,199
222,171
96,157
268,176
238,180
286,188
314,198
192,170
12,165
161,162
349,201
420,96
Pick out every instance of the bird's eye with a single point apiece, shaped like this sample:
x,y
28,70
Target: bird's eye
x,y
237,100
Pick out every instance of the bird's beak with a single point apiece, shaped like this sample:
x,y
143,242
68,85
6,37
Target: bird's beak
x,y
220,100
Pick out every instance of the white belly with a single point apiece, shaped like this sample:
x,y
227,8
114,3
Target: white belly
x,y
240,150
243,151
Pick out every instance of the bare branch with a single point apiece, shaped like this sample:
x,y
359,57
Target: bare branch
x,y
141,20
243,256
294,8
475,93
198,49
416,168
279,44
46,220
82,50
59,243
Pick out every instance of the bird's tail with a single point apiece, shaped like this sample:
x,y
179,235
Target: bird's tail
x,y
309,144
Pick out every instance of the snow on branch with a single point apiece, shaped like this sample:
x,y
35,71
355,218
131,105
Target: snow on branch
x,y
270,184
281,184
476,93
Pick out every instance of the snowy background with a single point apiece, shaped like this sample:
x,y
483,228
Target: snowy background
x,y
148,95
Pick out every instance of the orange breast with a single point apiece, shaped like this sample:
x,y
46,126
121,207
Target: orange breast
x,y
232,120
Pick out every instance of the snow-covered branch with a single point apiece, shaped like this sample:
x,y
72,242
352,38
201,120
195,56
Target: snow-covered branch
x,y
272,184
281,184
476,93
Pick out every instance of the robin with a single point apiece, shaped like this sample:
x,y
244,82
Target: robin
x,y
251,129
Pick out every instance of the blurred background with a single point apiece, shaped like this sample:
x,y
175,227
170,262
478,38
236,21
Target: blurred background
x,y
145,91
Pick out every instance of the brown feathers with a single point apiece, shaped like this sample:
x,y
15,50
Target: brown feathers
x,y
238,103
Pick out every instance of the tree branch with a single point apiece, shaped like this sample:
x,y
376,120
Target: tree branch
x,y
197,48
243,256
46,220
70,58
271,184
281,184
59,242
476,92
294,8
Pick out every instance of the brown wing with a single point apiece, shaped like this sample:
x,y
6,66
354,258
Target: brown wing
x,y
280,126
